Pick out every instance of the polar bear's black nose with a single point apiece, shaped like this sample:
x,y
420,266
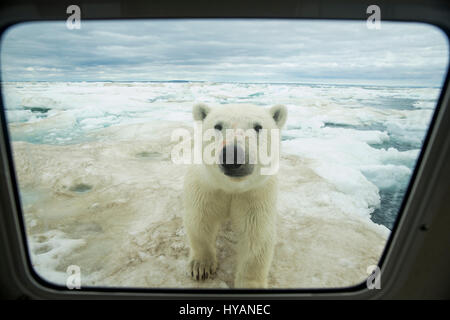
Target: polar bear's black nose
x,y
233,161
232,157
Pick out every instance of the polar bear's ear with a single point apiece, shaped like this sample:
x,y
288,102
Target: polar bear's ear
x,y
279,114
200,111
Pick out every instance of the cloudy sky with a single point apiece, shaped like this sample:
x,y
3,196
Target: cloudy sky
x,y
226,50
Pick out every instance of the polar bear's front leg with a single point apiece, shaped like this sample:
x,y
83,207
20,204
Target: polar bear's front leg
x,y
253,265
202,234
256,225
253,260
205,210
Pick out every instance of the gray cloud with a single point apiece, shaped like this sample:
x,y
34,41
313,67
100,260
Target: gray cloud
x,y
226,50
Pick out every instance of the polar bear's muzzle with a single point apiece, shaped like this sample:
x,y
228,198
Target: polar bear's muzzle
x,y
234,161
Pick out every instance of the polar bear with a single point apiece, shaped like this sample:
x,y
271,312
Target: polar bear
x,y
235,187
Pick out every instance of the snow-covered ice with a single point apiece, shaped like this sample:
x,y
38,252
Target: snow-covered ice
x,y
99,190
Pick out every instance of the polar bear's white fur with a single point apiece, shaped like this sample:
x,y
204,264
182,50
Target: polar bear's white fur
x,y
214,193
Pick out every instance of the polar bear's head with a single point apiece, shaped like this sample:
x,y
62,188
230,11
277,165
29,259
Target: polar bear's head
x,y
243,141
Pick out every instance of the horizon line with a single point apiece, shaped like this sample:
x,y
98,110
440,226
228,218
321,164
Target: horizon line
x,y
234,82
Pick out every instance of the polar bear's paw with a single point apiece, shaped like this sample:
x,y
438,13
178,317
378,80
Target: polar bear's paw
x,y
202,269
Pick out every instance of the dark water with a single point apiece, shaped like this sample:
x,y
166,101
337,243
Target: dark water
x,y
390,205
391,198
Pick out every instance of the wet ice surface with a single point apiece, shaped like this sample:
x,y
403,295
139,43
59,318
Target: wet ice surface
x,y
99,190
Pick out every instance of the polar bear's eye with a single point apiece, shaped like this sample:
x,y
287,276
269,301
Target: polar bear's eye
x,y
218,127
257,127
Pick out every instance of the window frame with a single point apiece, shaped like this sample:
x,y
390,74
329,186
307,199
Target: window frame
x,y
409,229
